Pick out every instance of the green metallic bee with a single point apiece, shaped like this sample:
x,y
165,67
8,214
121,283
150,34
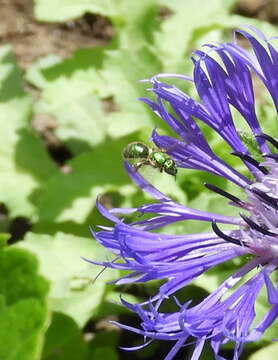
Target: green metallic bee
x,y
148,156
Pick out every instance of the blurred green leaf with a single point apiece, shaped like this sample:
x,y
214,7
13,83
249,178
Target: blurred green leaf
x,y
135,23
64,341
76,90
23,304
81,123
90,174
63,10
23,160
178,30
34,73
105,353
121,73
69,95
269,352
177,38
104,346
72,291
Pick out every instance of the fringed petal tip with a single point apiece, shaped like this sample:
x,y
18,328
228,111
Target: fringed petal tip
x,y
155,78
134,348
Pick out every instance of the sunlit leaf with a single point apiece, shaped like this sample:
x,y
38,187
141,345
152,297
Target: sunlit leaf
x,y
23,304
73,291
269,352
23,160
64,341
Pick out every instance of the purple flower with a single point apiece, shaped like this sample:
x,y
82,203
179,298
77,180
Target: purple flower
x,y
228,314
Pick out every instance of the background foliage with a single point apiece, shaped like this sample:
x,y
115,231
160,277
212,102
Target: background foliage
x,y
65,120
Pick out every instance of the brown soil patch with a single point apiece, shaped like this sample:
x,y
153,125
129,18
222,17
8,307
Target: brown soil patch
x,y
261,9
31,39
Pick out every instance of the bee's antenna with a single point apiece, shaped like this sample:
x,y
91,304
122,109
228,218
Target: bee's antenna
x,y
98,275
103,269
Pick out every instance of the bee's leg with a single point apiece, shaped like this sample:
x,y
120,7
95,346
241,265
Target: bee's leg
x,y
139,164
152,163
